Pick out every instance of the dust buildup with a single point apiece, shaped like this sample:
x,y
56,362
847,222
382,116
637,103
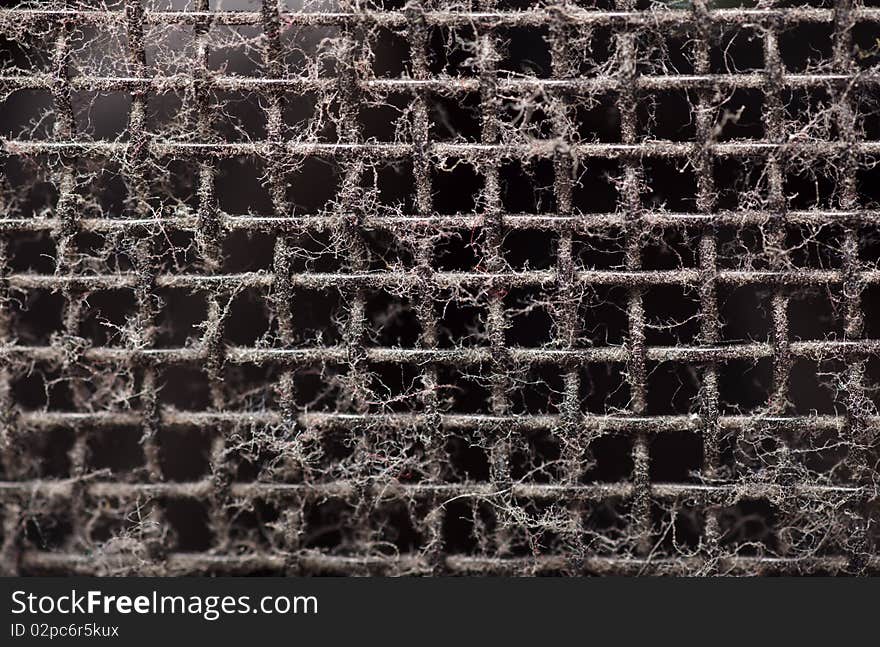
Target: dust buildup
x,y
439,288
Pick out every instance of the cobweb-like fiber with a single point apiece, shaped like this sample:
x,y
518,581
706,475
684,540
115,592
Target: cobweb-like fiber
x,y
439,288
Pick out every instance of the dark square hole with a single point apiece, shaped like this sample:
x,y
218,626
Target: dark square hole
x,y
739,184
102,115
468,459
48,531
318,388
603,316
395,387
42,389
530,322
317,251
525,51
329,524
677,531
185,388
462,322
247,250
178,181
244,119
806,46
107,314
457,187
310,50
670,249
812,314
868,185
537,390
608,459
530,249
179,253
671,185
665,53
814,247
313,185
101,189
32,252
597,118
463,391
666,115
672,388
184,453
51,448
739,115
242,187
736,51
455,117
871,309
392,321
537,459
189,521
597,47
118,449
675,457
527,117
606,526
672,315
812,186
171,49
813,387
36,315
864,37
316,316
452,50
180,318
809,112
391,188
337,451
600,250
459,250
233,50
528,186
458,526
744,385
25,51
742,248
27,114
749,527
251,387
394,528
745,313
103,253
391,53
164,112
604,389
250,318
595,189
303,118
385,118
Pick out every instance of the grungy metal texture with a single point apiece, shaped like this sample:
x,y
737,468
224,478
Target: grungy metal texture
x,y
483,287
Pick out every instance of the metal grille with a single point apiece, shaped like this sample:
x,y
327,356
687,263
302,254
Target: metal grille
x,y
490,287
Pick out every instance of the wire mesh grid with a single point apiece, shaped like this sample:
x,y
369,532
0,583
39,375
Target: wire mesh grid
x,y
434,288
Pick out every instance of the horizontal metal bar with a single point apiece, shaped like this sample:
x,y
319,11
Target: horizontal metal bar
x,y
531,17
715,493
576,222
464,356
382,150
461,422
476,280
439,84
241,564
